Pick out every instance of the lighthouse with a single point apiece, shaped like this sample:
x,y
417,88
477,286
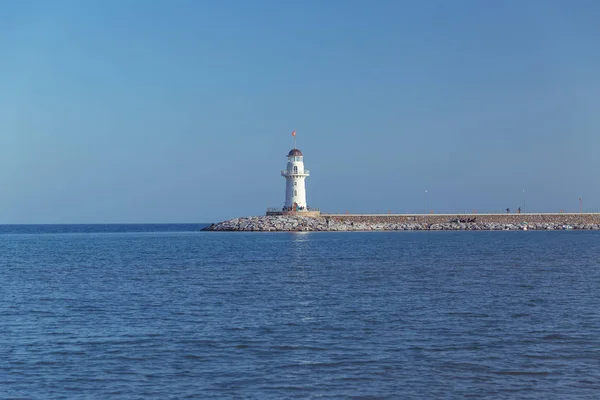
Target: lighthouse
x,y
295,176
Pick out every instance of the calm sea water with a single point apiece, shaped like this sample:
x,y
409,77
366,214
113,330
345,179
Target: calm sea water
x,y
166,312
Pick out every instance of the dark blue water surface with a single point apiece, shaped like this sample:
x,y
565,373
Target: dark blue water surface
x,y
172,313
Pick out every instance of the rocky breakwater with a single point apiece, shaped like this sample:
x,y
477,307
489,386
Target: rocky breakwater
x,y
270,223
325,223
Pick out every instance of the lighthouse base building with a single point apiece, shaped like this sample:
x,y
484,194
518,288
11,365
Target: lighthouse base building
x,y
295,189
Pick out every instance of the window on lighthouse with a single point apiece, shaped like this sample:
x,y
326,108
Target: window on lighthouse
x,y
295,169
295,193
295,183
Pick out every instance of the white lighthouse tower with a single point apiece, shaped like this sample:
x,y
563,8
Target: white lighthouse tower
x,y
295,175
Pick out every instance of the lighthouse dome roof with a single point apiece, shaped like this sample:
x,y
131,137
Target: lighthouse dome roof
x,y
294,153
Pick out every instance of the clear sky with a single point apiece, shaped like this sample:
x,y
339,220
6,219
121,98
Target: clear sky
x,y
182,111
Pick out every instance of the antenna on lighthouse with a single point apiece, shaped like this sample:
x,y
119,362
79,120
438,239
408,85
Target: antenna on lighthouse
x,y
294,135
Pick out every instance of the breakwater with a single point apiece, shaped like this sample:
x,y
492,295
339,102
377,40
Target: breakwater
x,y
407,222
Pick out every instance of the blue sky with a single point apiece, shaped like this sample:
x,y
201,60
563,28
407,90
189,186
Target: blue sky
x,y
181,111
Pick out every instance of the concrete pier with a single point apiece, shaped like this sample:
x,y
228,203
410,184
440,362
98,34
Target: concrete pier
x,y
428,219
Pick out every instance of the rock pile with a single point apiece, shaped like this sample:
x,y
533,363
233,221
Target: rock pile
x,y
299,224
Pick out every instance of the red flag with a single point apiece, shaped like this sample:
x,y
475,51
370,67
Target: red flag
x,y
294,133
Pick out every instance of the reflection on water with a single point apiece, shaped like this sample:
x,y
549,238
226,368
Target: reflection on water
x,y
300,283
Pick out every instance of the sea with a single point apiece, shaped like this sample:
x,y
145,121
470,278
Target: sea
x,y
170,312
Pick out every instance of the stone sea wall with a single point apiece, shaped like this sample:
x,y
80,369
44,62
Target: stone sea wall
x,y
401,222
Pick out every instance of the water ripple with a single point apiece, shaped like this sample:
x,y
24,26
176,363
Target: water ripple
x,y
411,315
